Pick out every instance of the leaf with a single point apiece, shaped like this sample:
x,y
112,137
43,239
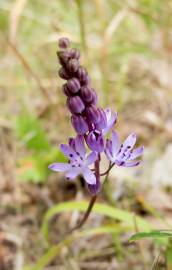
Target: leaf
x,y
29,130
152,234
169,256
99,208
35,168
32,169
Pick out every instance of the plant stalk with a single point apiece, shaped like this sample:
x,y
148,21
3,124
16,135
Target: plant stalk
x,y
92,201
81,23
86,215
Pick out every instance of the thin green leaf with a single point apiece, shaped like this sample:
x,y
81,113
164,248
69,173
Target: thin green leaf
x,y
152,234
99,208
31,133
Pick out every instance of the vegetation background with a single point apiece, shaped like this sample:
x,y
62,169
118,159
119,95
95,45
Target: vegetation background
x,y
127,49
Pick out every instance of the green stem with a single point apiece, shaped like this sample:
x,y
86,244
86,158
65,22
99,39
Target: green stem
x,y
107,187
92,201
81,23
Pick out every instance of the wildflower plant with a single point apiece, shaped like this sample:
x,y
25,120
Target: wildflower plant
x,y
92,124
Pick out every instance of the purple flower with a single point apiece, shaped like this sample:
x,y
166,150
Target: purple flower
x,y
78,161
95,141
111,120
123,155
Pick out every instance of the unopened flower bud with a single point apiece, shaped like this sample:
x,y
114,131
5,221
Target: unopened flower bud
x,y
64,74
79,124
92,114
94,189
94,96
74,53
73,65
86,80
81,74
66,90
95,141
63,57
64,43
75,104
86,94
73,85
103,120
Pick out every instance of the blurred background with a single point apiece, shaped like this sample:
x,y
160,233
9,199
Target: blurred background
x,y
127,48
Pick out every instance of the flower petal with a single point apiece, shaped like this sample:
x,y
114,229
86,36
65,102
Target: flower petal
x,y
136,153
68,151
92,157
111,120
115,143
132,163
59,167
71,142
108,155
89,176
79,145
130,141
73,173
108,150
108,114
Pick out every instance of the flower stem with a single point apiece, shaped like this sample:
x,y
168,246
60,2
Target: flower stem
x,y
86,215
108,170
93,198
81,22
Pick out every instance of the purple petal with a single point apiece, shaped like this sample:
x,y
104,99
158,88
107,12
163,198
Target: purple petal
x,y
71,142
108,155
130,141
92,157
108,113
111,120
115,143
89,176
79,145
73,173
136,153
68,151
132,163
102,124
108,150
59,167
109,145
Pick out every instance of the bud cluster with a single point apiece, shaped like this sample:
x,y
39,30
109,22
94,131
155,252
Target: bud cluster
x,y
81,97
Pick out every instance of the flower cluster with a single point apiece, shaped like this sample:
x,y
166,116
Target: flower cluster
x,y
91,124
